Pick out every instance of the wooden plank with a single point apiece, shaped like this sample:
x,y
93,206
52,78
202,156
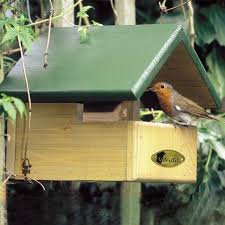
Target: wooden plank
x,y
153,138
130,110
62,149
79,110
98,113
130,193
125,12
126,110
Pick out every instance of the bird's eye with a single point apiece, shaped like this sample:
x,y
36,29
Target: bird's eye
x,y
162,86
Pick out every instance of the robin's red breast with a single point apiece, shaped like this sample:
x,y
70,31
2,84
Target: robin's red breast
x,y
178,107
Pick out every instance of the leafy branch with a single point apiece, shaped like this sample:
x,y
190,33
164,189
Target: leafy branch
x,y
83,29
16,28
164,9
10,105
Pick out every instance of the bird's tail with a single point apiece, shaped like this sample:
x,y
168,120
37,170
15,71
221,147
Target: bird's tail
x,y
217,118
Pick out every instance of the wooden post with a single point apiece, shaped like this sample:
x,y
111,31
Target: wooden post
x,y
59,6
3,218
125,12
130,191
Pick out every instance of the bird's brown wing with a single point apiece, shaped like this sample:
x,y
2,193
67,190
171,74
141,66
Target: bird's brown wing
x,y
185,105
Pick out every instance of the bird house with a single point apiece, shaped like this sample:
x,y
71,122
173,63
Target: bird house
x,y
85,105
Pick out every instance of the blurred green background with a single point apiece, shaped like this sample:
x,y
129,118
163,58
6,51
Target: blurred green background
x,y
162,204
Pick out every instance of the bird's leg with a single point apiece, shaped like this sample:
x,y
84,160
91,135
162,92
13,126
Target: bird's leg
x,y
180,122
171,121
183,123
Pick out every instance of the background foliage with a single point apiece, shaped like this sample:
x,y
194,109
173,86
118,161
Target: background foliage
x,y
184,204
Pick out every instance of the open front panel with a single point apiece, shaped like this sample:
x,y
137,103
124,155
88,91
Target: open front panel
x,y
60,148
181,72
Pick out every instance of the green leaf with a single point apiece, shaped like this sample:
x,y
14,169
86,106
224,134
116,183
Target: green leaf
x,y
84,35
216,63
219,147
96,23
10,110
216,15
214,180
12,22
83,12
9,35
26,39
2,23
205,31
20,106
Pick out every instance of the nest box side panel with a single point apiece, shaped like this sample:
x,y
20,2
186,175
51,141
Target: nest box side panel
x,y
62,149
157,139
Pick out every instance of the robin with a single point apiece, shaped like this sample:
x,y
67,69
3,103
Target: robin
x,y
181,109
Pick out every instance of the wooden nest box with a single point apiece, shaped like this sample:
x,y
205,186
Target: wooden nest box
x,y
85,111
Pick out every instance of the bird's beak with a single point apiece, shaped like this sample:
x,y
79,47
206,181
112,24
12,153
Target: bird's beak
x,y
150,89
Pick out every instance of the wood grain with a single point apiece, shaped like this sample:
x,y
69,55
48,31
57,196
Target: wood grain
x,y
153,138
62,149
181,72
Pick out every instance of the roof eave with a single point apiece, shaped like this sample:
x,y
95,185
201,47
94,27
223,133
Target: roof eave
x,y
201,69
154,67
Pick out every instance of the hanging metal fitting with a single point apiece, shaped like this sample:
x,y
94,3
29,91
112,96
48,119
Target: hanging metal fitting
x,y
26,167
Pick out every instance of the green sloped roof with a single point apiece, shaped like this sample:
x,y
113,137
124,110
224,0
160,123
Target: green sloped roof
x,y
117,63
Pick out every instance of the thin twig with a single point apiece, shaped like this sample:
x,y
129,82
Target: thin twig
x,y
162,6
80,19
70,22
38,182
9,176
164,9
11,51
113,9
29,101
208,160
183,9
58,16
25,74
191,23
86,20
29,179
49,35
28,11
